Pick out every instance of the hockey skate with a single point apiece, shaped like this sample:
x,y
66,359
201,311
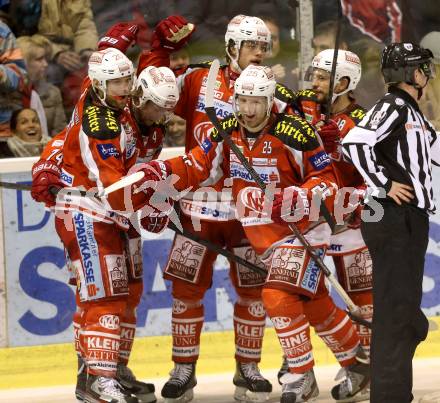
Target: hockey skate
x,y
251,386
101,389
179,388
355,386
299,387
81,380
283,370
143,391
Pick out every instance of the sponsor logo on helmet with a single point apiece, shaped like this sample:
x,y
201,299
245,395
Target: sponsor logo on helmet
x,y
110,322
352,58
408,46
247,86
281,322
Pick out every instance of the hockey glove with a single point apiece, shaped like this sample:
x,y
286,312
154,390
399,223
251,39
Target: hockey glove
x,y
354,219
279,214
155,224
154,171
330,135
172,33
45,175
120,36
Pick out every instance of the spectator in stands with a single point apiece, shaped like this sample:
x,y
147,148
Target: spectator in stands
x,y
278,69
325,35
180,59
13,78
27,139
37,51
175,132
430,104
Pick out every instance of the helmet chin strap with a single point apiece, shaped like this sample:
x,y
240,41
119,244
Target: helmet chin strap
x,y
234,60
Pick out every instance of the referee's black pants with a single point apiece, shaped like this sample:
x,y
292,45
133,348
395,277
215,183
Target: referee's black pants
x,y
397,244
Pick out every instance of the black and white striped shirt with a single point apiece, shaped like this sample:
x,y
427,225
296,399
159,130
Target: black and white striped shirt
x,y
395,142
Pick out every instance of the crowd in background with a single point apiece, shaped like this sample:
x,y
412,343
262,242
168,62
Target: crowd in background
x,y
45,46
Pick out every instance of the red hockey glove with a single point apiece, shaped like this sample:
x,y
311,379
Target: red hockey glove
x,y
154,172
278,214
155,224
353,220
172,33
45,175
120,36
330,135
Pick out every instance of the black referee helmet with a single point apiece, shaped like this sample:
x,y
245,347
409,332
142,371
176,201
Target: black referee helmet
x,y
399,60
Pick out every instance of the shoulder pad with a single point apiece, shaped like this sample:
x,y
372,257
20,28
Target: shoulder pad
x,y
284,94
229,124
357,114
101,122
306,95
295,132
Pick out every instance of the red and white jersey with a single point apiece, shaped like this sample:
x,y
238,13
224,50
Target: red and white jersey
x,y
99,148
347,119
286,153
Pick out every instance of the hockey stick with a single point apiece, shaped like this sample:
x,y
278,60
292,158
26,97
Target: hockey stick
x,y
334,62
221,251
354,310
120,184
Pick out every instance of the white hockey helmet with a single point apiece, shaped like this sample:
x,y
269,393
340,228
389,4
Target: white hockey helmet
x,y
156,84
244,28
255,81
105,65
348,65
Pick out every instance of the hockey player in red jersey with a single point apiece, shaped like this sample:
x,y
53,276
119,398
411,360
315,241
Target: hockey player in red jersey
x,y
285,152
247,41
350,254
155,94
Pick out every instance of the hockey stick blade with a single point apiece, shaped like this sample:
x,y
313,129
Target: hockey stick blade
x,y
210,84
122,183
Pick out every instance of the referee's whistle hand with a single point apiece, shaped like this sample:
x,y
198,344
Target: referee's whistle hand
x,y
400,192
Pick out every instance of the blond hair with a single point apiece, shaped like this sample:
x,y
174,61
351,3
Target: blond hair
x,y
27,44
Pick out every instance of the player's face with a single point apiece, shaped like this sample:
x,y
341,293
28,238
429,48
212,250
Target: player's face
x,y
150,113
28,126
253,110
118,91
252,52
321,84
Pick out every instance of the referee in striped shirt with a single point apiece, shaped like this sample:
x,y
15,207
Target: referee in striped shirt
x,y
393,148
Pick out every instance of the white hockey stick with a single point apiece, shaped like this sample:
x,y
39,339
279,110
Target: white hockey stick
x,y
122,183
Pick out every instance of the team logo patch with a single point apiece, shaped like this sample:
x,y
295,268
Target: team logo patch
x,y
108,150
257,309
110,322
281,322
320,160
179,306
